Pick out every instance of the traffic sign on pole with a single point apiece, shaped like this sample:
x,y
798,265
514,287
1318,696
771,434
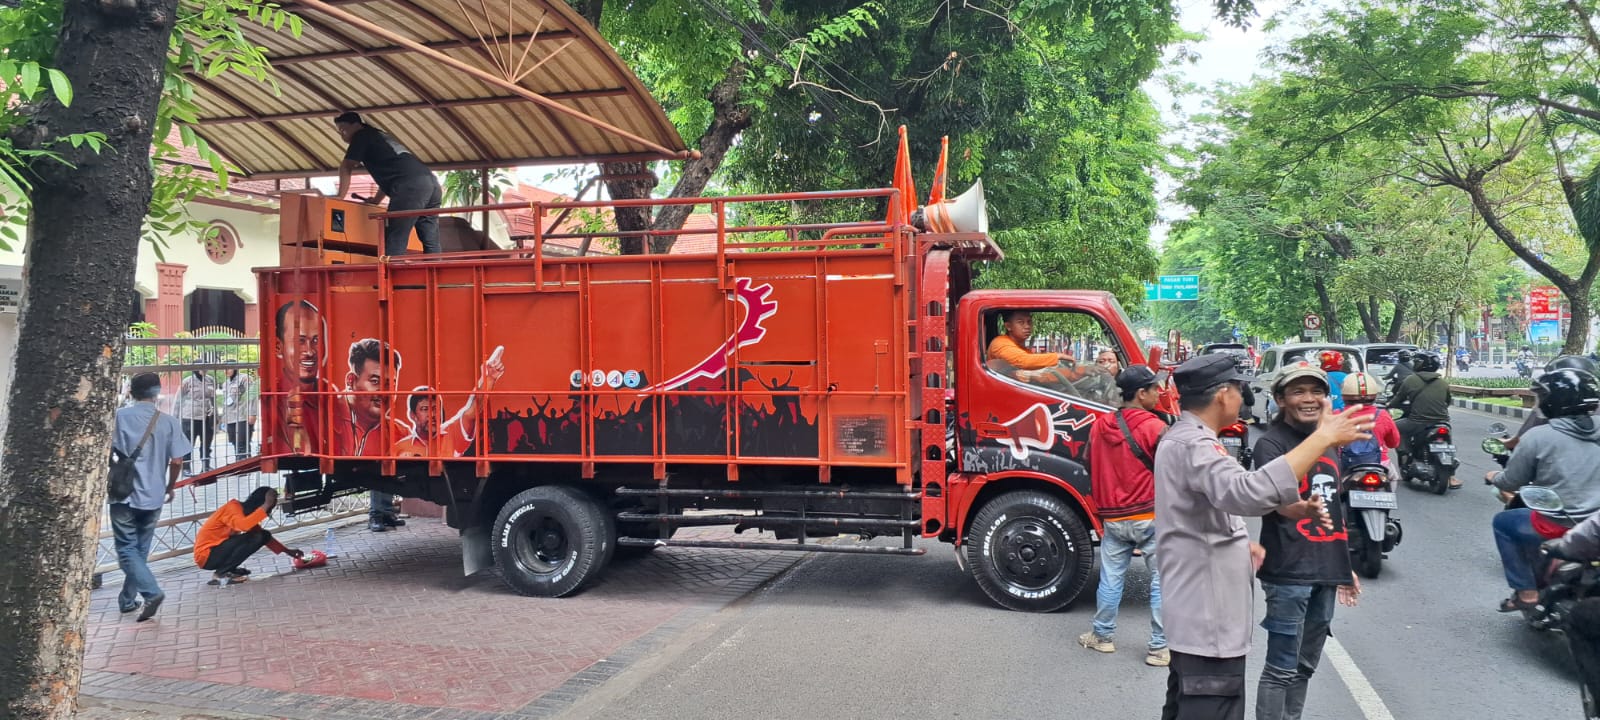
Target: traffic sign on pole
x,y
1173,288
1312,322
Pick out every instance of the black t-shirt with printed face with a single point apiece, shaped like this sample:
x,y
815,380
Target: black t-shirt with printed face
x,y
385,159
1301,552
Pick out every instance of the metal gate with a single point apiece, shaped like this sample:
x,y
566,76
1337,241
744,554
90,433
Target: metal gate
x,y
217,359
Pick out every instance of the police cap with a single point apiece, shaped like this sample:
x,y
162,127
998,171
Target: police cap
x,y
1206,371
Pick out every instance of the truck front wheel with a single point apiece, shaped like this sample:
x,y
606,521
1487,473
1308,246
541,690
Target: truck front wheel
x,y
549,541
1029,551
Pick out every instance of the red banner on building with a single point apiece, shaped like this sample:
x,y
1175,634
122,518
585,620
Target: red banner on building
x,y
1544,303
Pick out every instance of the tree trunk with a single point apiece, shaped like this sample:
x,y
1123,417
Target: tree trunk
x,y
729,118
1369,318
1397,323
1577,342
1572,288
82,249
1330,311
630,181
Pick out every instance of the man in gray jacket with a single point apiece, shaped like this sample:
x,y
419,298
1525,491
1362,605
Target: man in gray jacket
x,y
1202,547
1561,456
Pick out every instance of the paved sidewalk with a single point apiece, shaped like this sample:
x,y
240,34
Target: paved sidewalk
x,y
390,630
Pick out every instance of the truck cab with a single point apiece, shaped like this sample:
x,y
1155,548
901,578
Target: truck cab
x,y
1020,469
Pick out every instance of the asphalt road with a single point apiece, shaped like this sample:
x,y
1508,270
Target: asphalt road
x,y
843,637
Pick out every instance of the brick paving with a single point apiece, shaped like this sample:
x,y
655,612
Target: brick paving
x,y
390,630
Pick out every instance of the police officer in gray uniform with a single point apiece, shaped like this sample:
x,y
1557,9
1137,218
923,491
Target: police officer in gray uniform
x,y
1202,547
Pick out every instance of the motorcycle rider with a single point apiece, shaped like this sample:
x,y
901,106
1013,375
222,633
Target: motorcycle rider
x,y
1536,418
1307,567
1424,397
1332,362
1561,456
1362,389
1402,367
1582,544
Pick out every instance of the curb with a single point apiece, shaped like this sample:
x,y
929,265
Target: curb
x,y
1491,408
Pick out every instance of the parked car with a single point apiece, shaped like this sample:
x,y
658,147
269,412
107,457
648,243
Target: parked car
x,y
1275,358
1239,351
1381,357
1242,361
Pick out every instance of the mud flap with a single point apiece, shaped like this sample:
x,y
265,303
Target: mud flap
x,y
476,554
1373,523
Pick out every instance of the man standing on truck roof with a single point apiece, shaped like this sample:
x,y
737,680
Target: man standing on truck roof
x,y
1123,445
1203,549
408,183
299,351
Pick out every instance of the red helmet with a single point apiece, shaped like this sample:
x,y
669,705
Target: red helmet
x,y
1332,361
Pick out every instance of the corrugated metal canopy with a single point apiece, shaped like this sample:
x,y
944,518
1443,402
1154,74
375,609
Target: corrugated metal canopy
x,y
463,83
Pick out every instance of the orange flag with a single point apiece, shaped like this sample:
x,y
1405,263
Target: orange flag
x,y
903,181
936,195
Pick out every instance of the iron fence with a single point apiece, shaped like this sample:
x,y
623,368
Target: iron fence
x,y
215,364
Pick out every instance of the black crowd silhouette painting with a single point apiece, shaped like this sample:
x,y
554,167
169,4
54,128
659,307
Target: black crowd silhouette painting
x,y
695,424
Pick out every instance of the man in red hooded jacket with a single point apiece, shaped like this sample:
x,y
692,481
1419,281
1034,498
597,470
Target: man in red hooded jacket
x,y
1122,447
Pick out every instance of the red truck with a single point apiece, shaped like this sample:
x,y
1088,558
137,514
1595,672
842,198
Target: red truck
x,y
803,380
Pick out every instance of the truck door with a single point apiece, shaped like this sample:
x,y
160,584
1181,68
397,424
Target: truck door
x,y
1035,379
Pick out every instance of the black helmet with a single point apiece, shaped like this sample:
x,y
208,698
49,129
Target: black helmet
x,y
1404,355
1426,361
1574,362
1567,392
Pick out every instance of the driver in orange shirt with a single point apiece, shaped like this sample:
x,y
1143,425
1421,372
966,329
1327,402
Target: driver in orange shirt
x,y
1042,368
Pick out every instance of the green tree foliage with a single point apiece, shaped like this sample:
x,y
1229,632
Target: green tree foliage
x,y
1187,252
1039,98
206,41
1490,99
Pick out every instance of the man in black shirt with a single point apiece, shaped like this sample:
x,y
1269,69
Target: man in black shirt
x,y
1307,566
408,183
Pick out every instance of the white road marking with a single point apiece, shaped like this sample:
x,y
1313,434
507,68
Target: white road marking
x,y
1365,695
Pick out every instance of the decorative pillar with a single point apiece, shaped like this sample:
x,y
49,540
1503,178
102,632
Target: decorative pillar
x,y
169,299
252,320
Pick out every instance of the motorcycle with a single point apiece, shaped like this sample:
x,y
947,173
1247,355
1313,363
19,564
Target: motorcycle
x,y
1367,494
1463,363
1524,369
1562,585
1430,458
1234,439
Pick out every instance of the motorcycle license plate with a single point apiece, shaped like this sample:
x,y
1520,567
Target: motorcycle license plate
x,y
1232,442
1441,447
1370,500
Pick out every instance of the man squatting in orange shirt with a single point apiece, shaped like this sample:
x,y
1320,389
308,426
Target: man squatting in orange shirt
x,y
233,533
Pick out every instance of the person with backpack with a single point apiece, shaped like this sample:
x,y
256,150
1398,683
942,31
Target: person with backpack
x,y
153,446
1123,445
1361,389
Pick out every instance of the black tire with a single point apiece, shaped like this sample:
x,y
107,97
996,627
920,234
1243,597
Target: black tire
x,y
1029,551
549,541
1441,479
1368,557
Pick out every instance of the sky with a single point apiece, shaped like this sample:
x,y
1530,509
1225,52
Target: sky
x,y
1227,54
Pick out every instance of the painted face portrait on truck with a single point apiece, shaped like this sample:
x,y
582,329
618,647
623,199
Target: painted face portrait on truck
x,y
360,417
299,347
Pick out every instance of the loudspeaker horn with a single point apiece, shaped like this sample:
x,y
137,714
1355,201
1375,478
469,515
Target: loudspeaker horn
x,y
968,212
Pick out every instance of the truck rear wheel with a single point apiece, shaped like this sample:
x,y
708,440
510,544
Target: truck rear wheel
x,y
549,541
1029,551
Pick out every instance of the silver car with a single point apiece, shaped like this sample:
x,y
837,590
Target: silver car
x,y
1274,358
